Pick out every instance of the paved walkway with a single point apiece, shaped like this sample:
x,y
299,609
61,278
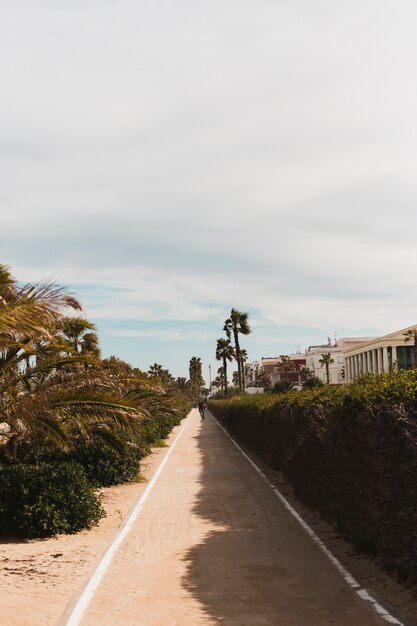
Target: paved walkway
x,y
213,545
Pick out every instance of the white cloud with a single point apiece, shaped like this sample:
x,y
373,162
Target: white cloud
x,y
174,159
170,335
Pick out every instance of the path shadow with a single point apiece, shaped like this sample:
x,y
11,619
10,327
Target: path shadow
x,y
235,572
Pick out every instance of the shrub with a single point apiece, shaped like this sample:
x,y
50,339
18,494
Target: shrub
x,y
43,500
282,386
312,382
350,452
104,465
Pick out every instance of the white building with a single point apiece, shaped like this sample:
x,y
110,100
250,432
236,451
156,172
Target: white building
x,y
379,354
251,373
337,369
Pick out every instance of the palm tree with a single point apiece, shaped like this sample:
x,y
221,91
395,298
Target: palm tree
x,y
243,359
235,325
196,377
409,335
263,379
305,373
285,364
155,370
224,352
326,360
182,383
30,311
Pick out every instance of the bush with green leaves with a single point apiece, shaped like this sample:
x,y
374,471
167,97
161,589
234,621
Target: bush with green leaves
x,y
350,452
45,499
106,465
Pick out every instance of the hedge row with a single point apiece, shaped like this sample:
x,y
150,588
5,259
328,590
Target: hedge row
x,y
350,452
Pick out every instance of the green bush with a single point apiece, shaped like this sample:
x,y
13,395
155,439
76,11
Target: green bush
x,y
350,452
43,500
104,465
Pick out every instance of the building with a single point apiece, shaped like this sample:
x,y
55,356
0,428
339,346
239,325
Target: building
x,y
337,369
251,373
379,354
273,366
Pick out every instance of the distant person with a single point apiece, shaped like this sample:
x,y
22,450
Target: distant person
x,y
202,405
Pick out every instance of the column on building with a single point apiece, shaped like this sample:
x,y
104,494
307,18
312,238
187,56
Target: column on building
x,y
394,355
385,366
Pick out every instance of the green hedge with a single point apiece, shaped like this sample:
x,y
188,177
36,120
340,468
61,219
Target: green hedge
x,y
43,500
46,490
350,452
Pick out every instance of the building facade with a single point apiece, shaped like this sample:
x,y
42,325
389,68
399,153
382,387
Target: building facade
x,y
380,354
337,369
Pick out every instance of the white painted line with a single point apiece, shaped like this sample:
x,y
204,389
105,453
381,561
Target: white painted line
x,y
88,593
347,576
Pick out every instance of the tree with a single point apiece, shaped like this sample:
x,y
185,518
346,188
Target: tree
x,y
219,380
79,337
305,373
32,310
182,383
235,325
196,377
326,360
285,364
409,335
263,379
224,352
243,359
155,370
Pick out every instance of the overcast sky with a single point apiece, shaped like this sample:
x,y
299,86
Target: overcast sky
x,y
169,159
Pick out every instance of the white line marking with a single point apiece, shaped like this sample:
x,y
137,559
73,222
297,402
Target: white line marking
x,y
88,593
347,576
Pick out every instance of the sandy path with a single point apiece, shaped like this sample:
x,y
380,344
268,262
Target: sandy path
x,y
213,545
39,578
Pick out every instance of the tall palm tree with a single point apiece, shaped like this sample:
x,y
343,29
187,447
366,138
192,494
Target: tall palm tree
x,y
409,335
326,360
235,325
224,352
195,370
243,359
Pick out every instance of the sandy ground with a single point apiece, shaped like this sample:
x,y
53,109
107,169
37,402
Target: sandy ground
x,y
212,545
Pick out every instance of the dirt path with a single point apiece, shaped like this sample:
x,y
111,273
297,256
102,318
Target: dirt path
x,y
213,545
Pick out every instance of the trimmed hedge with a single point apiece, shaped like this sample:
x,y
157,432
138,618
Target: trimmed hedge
x,y
43,500
350,452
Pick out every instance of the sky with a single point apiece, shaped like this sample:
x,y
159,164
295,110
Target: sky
x,y
169,160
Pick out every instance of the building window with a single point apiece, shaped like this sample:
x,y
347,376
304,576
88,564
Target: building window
x,y
389,354
405,357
